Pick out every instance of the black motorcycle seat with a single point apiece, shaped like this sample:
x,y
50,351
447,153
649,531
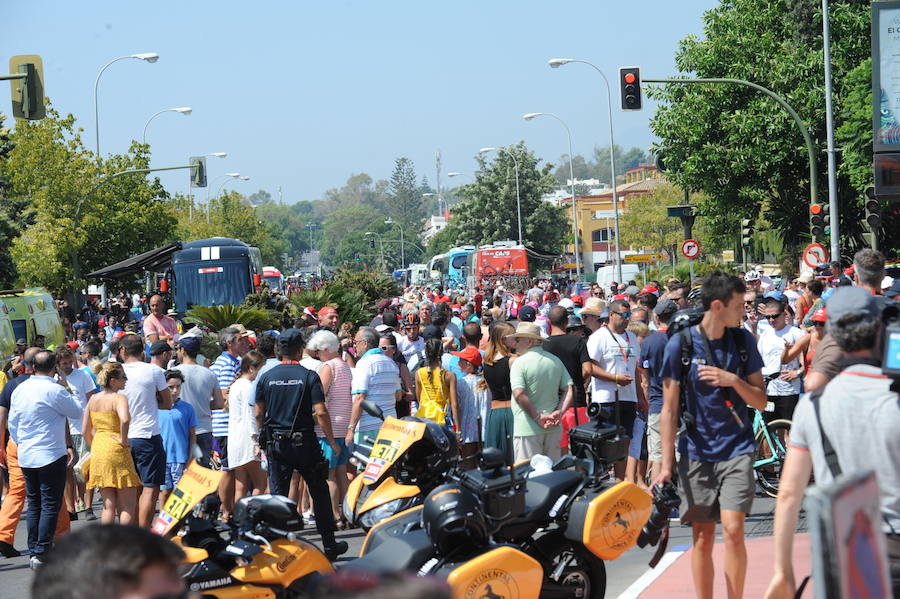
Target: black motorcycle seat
x,y
406,553
544,490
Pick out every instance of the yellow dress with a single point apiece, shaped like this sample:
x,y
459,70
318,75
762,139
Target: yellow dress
x,y
435,395
111,463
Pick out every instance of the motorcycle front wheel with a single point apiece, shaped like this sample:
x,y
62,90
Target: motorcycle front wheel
x,y
570,570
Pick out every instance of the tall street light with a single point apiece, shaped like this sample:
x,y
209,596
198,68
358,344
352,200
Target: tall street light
x,y
558,62
390,221
460,175
150,57
518,201
532,115
185,110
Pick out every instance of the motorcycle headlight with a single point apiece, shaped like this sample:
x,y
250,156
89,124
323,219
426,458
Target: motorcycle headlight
x,y
376,515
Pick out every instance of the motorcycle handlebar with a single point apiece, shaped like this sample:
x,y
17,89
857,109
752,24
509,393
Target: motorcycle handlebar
x,y
290,536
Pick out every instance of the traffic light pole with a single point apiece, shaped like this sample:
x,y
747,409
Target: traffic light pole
x,y
810,148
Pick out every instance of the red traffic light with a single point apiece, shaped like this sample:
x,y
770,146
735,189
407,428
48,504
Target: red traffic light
x,y
629,78
815,209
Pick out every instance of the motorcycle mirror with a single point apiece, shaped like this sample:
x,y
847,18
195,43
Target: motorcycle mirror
x,y
372,409
491,457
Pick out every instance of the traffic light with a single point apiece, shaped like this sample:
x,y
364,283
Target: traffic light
x,y
818,219
198,171
372,242
746,232
630,84
28,93
873,209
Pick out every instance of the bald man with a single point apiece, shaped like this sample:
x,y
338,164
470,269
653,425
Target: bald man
x,y
158,326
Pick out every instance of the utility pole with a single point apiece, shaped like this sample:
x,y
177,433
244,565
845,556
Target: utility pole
x,y
437,168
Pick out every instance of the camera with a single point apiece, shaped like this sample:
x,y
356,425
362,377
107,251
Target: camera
x,y
665,499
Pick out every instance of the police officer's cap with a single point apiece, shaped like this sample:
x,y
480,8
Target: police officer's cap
x,y
290,340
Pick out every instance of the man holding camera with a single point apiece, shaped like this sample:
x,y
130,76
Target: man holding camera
x,y
859,413
717,377
288,397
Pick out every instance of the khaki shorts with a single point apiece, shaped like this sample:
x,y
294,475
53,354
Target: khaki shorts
x,y
654,441
79,443
707,488
546,444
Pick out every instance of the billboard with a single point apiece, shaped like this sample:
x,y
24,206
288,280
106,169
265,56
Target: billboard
x,y
501,262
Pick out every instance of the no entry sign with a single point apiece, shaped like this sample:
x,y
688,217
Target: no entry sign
x,y
815,254
690,248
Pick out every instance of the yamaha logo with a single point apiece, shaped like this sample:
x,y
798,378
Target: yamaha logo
x,y
209,584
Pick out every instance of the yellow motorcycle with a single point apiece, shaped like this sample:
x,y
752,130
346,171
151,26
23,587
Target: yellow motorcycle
x,y
255,556
409,457
492,533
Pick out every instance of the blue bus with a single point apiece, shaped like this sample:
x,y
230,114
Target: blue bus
x,y
451,269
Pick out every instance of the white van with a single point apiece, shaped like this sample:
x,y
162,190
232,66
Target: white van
x,y
608,274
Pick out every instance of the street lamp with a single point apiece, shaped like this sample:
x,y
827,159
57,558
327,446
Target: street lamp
x,y
532,115
460,175
185,110
381,244
310,227
217,154
558,62
518,201
390,221
150,57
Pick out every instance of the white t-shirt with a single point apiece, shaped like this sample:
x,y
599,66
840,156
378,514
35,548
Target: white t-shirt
x,y
410,348
81,384
616,354
771,345
144,380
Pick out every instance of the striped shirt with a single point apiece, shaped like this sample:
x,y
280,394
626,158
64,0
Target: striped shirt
x,y
338,399
378,377
227,369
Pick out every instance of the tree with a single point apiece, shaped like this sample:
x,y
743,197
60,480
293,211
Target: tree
x,y
405,196
14,216
53,175
646,226
489,212
598,168
743,150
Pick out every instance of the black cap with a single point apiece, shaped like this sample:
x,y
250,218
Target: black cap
x,y
290,339
527,314
158,348
432,331
665,307
574,322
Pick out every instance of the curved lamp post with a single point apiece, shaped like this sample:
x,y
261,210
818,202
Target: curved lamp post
x,y
558,62
185,110
532,115
518,200
150,57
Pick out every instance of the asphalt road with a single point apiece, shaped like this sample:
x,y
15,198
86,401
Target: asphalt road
x,y
16,577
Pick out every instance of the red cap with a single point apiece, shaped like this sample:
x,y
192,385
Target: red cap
x,y
309,311
577,300
620,296
326,311
650,289
470,354
72,345
819,315
118,334
101,322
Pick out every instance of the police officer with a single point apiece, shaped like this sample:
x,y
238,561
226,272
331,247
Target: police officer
x,y
289,401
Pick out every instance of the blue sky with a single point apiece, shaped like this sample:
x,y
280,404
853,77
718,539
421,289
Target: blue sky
x,y
301,95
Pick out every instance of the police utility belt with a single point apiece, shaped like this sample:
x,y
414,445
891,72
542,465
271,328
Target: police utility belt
x,y
297,437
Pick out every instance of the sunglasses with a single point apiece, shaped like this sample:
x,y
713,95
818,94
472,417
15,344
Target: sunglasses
x,y
773,316
625,315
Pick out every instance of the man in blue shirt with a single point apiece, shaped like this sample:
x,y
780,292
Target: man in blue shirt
x,y
715,470
37,423
651,364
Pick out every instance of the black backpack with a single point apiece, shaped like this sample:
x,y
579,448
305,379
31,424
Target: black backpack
x,y
681,325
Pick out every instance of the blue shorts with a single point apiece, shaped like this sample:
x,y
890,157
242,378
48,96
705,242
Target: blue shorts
x,y
149,460
335,460
174,470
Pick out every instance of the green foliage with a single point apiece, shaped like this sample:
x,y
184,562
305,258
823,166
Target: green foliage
x,y
645,225
13,215
278,307
598,168
216,318
351,304
51,175
374,285
738,146
489,212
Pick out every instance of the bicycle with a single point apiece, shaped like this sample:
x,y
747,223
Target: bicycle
x,y
771,449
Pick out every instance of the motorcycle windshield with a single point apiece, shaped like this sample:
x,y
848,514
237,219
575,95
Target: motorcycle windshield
x,y
394,438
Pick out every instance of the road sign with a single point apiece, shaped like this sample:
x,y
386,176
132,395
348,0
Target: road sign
x,y
690,248
815,254
644,258
728,256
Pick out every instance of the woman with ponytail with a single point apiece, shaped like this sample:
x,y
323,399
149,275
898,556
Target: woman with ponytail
x,y
436,387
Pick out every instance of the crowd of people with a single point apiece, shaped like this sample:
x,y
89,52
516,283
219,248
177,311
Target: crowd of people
x,y
131,400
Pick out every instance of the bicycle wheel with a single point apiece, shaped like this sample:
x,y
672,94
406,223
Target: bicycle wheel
x,y
771,447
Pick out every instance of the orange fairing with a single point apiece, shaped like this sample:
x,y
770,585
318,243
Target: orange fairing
x,y
503,572
614,520
389,490
285,563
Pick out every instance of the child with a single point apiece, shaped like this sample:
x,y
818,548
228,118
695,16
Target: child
x,y
436,387
474,398
178,428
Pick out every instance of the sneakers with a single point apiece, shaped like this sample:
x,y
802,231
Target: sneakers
x,y
89,515
36,563
309,518
336,549
7,550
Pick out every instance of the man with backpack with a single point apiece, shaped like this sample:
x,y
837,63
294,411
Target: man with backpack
x,y
711,373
